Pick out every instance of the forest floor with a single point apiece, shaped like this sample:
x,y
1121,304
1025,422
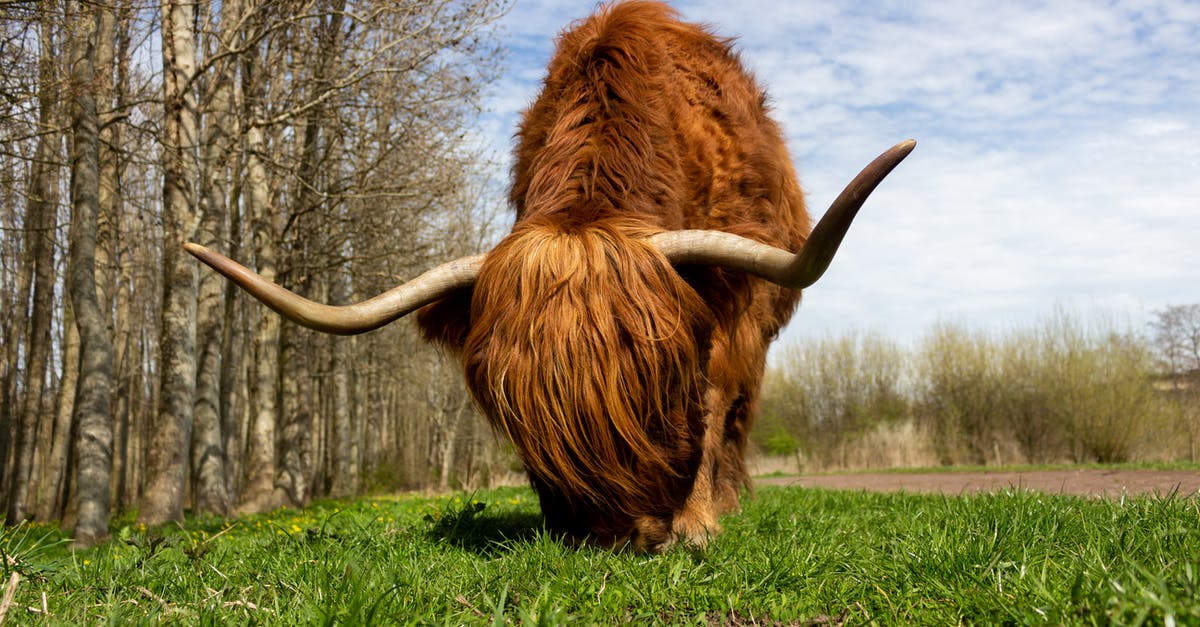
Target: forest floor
x,y
1095,482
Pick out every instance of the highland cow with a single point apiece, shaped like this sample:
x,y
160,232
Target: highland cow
x,y
618,334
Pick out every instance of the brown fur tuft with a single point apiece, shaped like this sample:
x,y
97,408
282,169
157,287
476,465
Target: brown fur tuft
x,y
587,350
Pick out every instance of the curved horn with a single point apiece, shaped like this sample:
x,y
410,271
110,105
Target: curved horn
x,y
350,319
718,248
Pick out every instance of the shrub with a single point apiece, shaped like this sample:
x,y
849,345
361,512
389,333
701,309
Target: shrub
x,y
1064,390
827,388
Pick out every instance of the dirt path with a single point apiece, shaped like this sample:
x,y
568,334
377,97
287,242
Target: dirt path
x,y
1087,482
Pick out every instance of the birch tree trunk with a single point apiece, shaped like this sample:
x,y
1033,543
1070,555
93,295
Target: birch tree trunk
x,y
93,412
257,494
111,44
344,479
209,487
37,272
168,455
54,482
292,487
108,220
127,364
293,484
234,383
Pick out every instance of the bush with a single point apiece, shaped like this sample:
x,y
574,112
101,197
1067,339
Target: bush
x,y
827,388
1064,390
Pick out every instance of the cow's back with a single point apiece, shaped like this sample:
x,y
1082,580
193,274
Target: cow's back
x,y
643,115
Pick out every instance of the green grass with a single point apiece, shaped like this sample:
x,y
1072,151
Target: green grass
x,y
793,556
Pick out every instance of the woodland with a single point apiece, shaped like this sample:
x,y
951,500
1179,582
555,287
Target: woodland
x,y
328,144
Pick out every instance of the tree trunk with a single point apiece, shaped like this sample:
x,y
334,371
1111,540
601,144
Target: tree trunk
x,y
294,483
127,363
233,381
108,221
112,54
258,492
450,439
54,486
345,481
15,325
295,456
41,209
209,488
167,461
93,413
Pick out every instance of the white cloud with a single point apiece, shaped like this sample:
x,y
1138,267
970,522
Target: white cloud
x,y
1058,157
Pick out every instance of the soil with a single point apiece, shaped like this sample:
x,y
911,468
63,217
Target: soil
x,y
1085,482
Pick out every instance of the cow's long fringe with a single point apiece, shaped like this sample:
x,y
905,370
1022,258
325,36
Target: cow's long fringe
x,y
579,341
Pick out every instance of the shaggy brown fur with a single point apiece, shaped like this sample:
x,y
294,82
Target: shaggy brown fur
x,y
629,386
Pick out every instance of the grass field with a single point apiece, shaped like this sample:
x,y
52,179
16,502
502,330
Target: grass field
x,y
793,556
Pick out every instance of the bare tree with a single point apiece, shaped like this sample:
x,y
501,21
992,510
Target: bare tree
x,y
168,455
1176,339
294,485
343,469
331,151
37,274
258,488
210,483
1176,331
93,412
54,481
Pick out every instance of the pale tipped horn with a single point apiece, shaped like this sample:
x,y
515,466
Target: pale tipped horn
x,y
796,271
349,319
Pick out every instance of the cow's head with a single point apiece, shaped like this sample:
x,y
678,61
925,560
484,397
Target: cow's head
x,y
584,345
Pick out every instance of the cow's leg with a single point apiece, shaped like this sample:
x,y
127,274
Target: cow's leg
x,y
735,373
697,521
731,475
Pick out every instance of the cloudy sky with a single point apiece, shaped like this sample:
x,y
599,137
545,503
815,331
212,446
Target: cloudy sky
x,y
1057,163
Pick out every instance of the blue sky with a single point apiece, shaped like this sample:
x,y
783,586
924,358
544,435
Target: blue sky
x,y
1058,156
